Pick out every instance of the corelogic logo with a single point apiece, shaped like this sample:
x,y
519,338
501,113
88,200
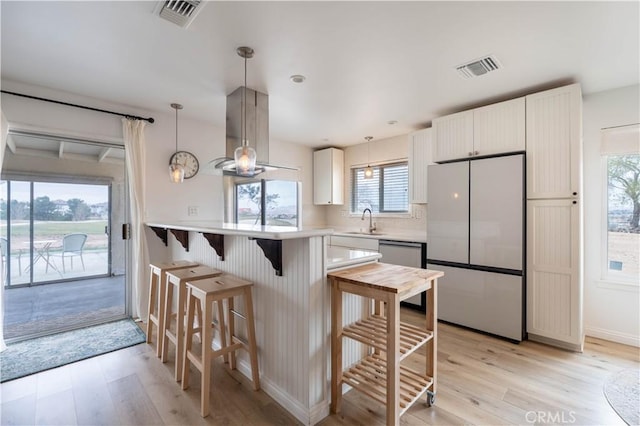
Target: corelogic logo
x,y
554,417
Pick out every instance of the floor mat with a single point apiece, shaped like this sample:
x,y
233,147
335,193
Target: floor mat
x,y
622,390
32,356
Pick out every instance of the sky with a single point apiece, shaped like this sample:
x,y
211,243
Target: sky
x,y
91,194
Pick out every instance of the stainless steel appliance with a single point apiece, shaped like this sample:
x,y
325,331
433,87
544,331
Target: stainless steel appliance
x,y
475,232
406,254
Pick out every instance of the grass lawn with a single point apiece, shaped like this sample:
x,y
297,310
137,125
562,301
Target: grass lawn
x,y
57,228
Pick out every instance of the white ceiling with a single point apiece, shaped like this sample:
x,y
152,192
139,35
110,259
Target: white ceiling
x,y
365,62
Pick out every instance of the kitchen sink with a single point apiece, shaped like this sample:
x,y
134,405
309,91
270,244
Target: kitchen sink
x,y
362,233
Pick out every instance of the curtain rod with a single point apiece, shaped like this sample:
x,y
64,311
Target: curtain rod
x,y
129,116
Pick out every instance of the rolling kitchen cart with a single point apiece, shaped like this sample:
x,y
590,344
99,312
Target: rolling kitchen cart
x,y
380,375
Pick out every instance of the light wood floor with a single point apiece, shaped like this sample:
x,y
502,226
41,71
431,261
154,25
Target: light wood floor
x,y
481,380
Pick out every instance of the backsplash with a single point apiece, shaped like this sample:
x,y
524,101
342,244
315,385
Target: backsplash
x,y
340,218
383,150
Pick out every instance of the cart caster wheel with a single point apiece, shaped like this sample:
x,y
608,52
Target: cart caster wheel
x,y
431,398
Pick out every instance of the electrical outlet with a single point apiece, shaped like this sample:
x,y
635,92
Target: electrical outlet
x,y
343,213
418,213
192,210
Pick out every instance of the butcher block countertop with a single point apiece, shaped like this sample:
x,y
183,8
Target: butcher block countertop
x,y
390,278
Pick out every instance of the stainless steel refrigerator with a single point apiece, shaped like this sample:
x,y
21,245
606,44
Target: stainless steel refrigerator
x,y
475,234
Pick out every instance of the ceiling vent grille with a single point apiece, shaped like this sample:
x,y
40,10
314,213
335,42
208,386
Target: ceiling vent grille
x,y
479,67
180,12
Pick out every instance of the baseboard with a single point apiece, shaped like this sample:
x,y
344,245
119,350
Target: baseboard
x,y
557,343
613,336
308,416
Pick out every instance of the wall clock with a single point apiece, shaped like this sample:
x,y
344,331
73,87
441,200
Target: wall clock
x,y
188,161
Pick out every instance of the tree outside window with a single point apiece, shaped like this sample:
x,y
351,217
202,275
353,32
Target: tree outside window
x,y
623,214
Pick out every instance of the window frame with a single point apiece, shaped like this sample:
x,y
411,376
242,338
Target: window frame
x,y
381,166
615,141
263,200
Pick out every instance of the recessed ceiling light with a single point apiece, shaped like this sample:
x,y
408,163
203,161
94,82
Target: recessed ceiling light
x,y
297,78
392,122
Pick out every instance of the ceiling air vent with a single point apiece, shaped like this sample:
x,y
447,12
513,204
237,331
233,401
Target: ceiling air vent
x,y
479,67
180,12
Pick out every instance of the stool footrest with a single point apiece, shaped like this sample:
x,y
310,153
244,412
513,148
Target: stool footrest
x,y
238,314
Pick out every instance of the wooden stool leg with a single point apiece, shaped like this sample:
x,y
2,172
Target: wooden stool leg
x,y
152,307
182,296
188,339
207,339
223,331
199,315
232,331
162,312
251,334
168,314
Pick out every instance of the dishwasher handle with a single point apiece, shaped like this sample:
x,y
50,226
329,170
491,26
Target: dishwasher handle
x,y
399,243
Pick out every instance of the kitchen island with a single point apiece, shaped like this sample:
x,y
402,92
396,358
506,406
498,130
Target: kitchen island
x,y
288,266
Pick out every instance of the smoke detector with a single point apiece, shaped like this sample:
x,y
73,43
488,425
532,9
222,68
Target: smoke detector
x,y
479,67
180,12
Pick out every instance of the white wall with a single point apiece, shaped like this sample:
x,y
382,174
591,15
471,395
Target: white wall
x,y
611,310
383,150
164,200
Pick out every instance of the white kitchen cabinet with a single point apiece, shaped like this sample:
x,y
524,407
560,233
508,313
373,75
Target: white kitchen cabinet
x,y
328,176
453,136
554,134
499,128
370,244
492,129
419,158
554,290
554,217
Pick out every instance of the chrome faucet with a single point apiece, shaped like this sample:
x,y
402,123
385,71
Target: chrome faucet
x,y
372,226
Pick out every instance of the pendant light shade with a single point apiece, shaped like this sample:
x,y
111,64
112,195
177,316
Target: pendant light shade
x,y
176,170
245,156
368,171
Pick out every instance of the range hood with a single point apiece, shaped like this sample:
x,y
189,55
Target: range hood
x,y
257,116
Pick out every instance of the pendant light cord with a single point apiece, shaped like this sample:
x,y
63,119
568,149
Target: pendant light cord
x,y
176,133
244,106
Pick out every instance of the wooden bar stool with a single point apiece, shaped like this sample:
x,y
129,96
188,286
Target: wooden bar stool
x,y
178,280
205,293
157,283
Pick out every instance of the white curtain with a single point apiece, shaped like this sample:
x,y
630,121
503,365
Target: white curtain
x,y
133,132
4,128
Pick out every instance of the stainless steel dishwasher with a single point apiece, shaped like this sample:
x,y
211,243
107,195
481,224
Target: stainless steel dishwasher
x,y
406,254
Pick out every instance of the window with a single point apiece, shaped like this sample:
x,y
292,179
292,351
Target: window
x,y
386,192
267,202
622,203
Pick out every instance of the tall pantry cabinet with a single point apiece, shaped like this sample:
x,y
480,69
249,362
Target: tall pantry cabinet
x,y
554,217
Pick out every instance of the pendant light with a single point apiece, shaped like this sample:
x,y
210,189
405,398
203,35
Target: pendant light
x,y
368,172
176,170
245,156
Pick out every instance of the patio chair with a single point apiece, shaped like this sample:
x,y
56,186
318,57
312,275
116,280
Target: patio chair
x,y
4,254
72,245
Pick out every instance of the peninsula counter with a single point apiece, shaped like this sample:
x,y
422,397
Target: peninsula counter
x,y
291,299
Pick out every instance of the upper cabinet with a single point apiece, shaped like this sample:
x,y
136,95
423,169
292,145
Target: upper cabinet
x,y
554,125
489,130
419,158
328,176
453,136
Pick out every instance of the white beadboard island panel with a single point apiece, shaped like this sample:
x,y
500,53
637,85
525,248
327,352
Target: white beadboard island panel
x,y
291,314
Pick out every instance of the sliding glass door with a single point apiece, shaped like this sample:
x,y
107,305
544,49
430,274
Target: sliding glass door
x,y
63,266
56,231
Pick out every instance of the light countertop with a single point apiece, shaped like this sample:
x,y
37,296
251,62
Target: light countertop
x,y
254,231
406,236
339,257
